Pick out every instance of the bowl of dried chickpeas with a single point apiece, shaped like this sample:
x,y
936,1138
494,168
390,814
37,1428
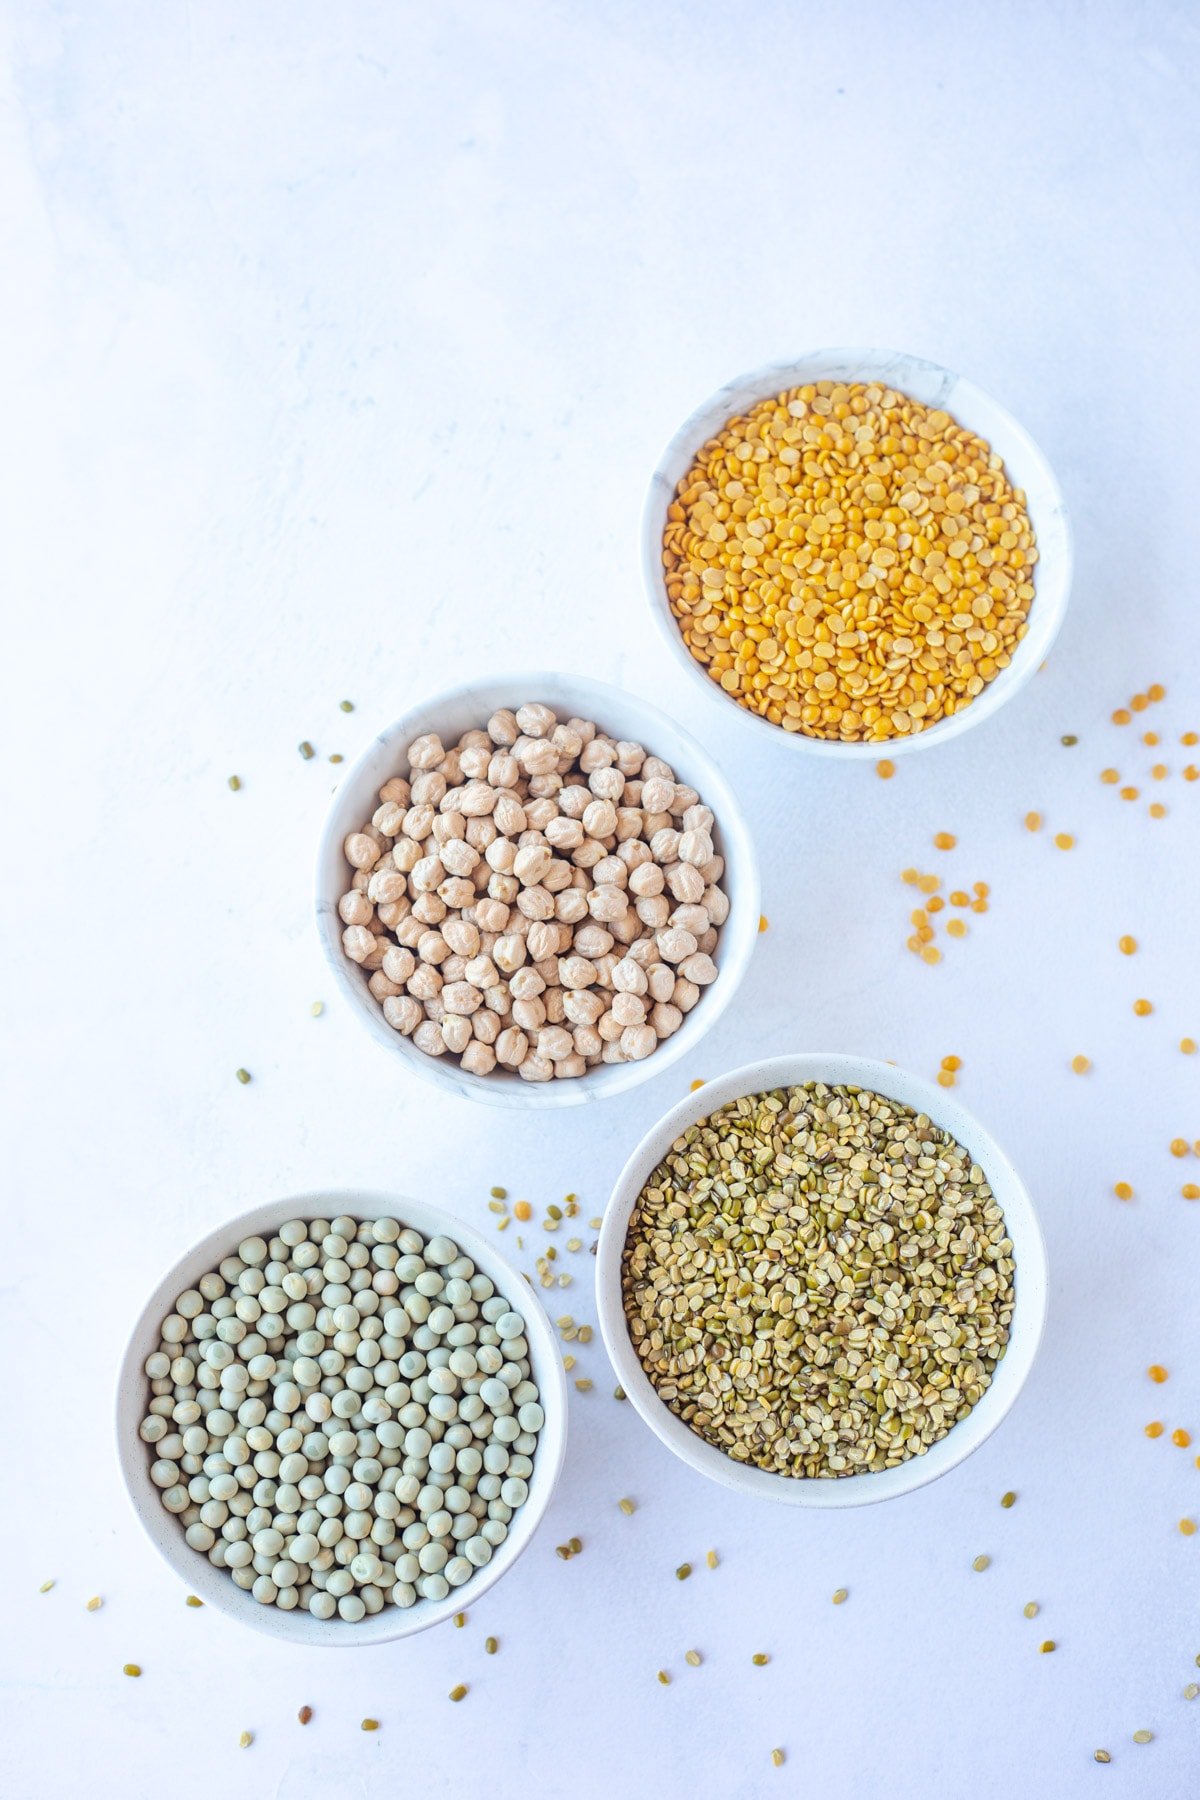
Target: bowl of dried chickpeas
x,y
820,1281
858,551
537,890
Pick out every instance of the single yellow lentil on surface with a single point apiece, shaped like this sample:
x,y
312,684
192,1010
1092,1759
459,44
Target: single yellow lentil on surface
x,y
694,1085
1123,1191
763,922
1081,1064
1156,691
848,563
1179,1146
953,1063
1121,717
1191,772
944,840
1142,1007
1156,1372
1159,772
1033,821
1127,945
1157,810
522,1210
1190,1191
1110,776
1155,1428
1188,1046
1188,1527
1181,1438
1064,840
1140,702
931,954
945,1078
885,769
956,928
1190,737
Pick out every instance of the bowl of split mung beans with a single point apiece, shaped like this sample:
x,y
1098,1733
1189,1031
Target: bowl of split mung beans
x,y
820,1281
859,551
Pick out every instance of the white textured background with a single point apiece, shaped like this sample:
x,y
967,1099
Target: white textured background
x,y
339,340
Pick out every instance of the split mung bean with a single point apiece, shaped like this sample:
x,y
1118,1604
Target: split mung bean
x,y
343,1417
818,1281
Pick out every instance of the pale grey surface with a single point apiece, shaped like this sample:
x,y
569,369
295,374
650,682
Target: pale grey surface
x,y
341,339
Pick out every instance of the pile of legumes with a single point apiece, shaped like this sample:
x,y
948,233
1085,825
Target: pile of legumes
x,y
848,563
818,1281
343,1417
538,898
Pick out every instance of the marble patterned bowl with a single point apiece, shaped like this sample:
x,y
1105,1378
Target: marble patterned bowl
x,y
623,714
933,386
1029,1258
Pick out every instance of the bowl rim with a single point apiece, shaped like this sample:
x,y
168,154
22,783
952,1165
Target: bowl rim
x,y
734,841
214,1585
866,364
834,1069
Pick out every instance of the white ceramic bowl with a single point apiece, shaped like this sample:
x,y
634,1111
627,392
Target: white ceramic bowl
x,y
929,383
623,715
1028,1252
213,1585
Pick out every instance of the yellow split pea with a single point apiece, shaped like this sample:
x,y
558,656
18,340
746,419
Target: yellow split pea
x,y
848,563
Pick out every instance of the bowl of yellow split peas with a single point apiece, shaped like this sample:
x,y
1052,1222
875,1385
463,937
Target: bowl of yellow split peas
x,y
860,551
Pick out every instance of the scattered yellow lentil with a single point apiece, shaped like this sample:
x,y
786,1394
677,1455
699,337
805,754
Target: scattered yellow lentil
x,y
1155,1428
1159,772
821,547
694,1085
1156,1372
763,921
1188,1046
931,954
1150,738
956,928
522,1210
1156,691
945,1078
1157,810
1064,840
1140,702
935,904
1081,1064
1190,1191
1110,776
1033,821
1142,1007
928,884
1181,1438
1127,945
1191,772
944,840
910,877
1190,737
979,906
1121,717
1123,1191
885,769
1179,1146
952,1063
958,898
1188,1527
